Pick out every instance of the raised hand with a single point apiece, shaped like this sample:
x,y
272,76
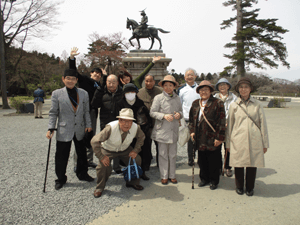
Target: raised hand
x,y
73,52
156,58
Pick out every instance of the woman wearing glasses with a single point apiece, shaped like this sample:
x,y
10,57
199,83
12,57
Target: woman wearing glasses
x,y
207,128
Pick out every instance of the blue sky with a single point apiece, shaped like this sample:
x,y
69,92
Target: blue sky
x,y
196,39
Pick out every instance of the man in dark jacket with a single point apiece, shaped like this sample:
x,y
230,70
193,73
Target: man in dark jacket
x,y
38,102
89,84
106,99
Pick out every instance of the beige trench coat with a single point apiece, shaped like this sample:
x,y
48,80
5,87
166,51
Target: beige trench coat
x,y
243,137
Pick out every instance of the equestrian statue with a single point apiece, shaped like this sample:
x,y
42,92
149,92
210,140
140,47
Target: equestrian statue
x,y
143,31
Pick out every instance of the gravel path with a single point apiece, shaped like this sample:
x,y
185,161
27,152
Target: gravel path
x,y
23,155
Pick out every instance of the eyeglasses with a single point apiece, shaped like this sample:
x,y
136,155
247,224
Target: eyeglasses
x,y
204,90
222,84
71,78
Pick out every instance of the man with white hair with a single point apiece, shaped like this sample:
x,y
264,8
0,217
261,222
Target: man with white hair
x,y
187,94
114,141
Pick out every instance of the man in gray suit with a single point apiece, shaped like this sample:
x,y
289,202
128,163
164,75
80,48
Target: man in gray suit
x,y
70,108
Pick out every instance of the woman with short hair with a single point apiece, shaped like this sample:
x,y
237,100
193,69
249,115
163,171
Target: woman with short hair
x,y
246,136
223,86
166,109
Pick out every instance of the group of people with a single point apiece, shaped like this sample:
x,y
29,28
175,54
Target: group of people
x,y
132,117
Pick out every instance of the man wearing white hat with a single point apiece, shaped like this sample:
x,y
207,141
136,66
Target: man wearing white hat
x,y
115,141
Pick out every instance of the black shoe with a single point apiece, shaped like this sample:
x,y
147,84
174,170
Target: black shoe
x,y
92,164
190,163
203,183
118,171
86,177
250,193
213,186
144,177
240,191
58,186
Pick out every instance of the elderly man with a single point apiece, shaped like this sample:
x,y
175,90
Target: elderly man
x,y
70,111
147,94
114,141
89,84
106,98
187,94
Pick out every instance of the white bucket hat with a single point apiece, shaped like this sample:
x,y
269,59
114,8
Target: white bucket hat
x,y
126,114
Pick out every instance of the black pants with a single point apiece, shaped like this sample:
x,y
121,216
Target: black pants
x,y
157,154
209,163
62,157
250,177
146,154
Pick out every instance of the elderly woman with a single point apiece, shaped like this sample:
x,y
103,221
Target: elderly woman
x,y
246,136
166,109
207,128
141,115
124,77
223,86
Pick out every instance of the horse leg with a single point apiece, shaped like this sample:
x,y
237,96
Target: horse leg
x,y
152,42
138,41
160,45
130,41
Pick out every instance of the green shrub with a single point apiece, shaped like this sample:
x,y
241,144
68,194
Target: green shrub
x,y
17,103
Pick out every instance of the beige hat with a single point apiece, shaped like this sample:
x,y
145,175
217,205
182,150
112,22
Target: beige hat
x,y
168,78
126,114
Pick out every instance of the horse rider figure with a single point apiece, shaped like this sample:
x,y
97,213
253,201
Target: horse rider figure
x,y
142,28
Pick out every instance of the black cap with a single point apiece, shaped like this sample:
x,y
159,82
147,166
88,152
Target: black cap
x,y
70,73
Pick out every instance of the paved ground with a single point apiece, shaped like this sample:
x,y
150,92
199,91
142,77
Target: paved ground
x,y
275,201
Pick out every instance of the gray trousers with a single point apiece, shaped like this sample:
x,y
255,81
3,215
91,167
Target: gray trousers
x,y
89,151
103,172
167,160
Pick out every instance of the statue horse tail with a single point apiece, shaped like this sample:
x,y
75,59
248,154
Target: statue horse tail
x,y
163,31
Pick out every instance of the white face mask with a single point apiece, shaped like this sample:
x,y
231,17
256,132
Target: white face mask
x,y
130,96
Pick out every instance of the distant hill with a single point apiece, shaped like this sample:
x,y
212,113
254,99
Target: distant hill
x,y
282,81
297,82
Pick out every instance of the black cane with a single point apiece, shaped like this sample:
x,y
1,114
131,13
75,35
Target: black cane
x,y
193,177
47,162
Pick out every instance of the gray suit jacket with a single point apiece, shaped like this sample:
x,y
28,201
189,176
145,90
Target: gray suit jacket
x,y
69,122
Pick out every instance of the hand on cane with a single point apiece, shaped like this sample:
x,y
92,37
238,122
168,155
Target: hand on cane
x,y
49,134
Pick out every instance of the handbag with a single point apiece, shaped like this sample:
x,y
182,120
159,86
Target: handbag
x,y
184,133
132,171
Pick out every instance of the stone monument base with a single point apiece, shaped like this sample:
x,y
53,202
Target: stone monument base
x,y
137,60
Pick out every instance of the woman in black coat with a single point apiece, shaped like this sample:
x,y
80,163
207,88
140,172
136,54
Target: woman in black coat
x,y
142,116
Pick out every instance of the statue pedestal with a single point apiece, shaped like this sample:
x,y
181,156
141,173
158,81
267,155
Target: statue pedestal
x,y
137,60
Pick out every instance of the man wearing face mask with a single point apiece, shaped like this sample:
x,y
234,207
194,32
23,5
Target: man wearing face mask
x,y
89,84
142,117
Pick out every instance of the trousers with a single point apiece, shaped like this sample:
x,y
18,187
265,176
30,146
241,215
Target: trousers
x,y
209,163
62,155
167,160
240,178
103,172
38,109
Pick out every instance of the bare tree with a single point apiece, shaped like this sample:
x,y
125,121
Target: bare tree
x,y
20,20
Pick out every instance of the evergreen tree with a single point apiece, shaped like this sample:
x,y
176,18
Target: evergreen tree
x,y
209,76
257,42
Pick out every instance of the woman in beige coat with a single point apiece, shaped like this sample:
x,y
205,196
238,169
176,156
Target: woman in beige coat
x,y
167,111
246,136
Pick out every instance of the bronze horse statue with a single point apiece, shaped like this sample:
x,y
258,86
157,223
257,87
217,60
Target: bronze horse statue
x,y
151,32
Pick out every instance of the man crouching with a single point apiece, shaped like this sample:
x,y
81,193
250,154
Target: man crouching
x,y
114,141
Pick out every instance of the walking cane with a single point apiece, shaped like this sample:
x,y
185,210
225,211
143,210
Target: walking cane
x,y
193,177
47,163
224,162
